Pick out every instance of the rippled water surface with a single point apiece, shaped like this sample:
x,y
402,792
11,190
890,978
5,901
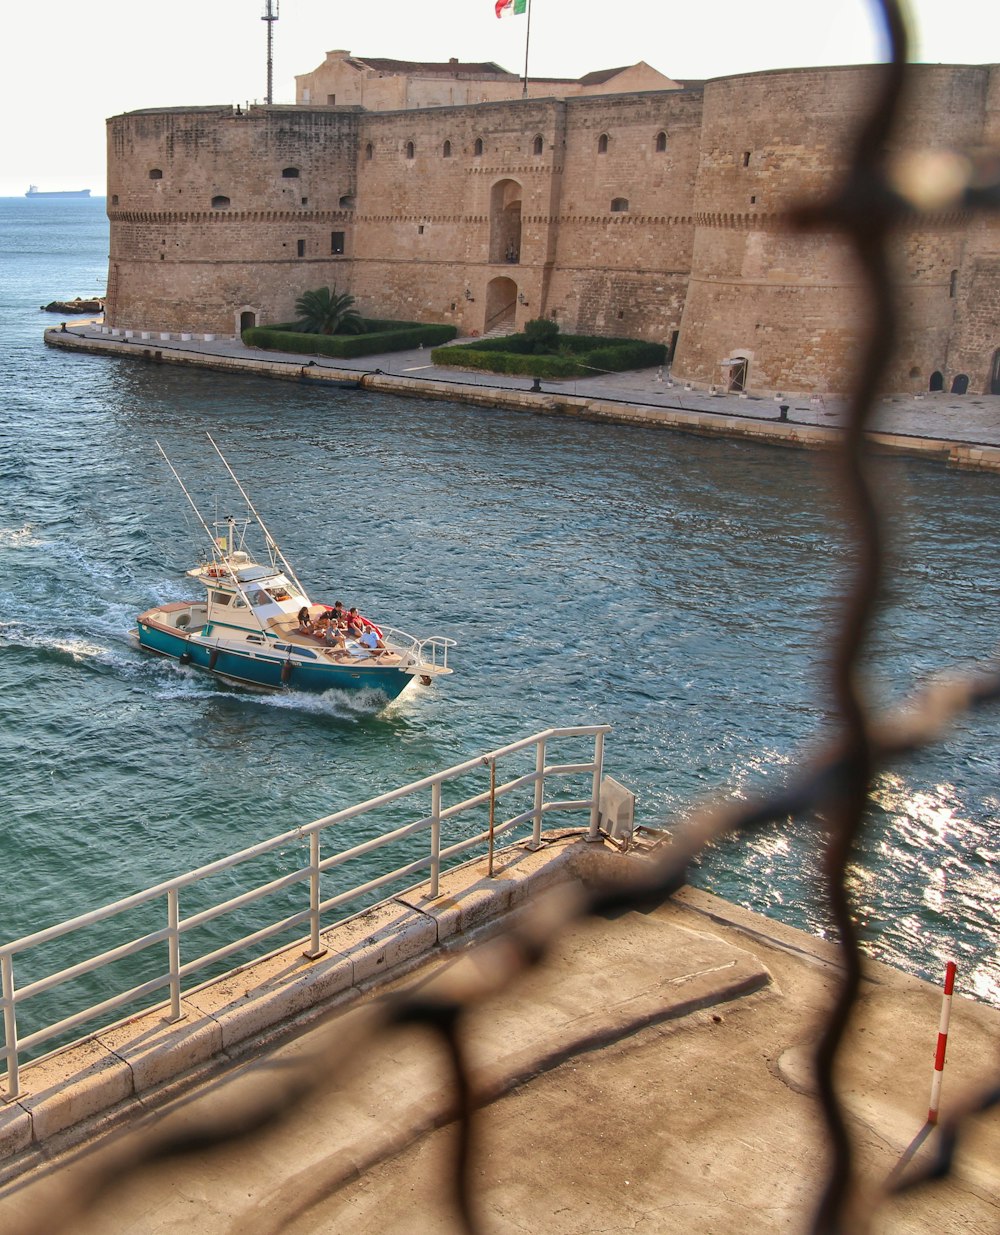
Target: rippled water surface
x,y
678,588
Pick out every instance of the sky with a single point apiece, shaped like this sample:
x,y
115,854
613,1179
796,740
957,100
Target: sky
x,y
72,63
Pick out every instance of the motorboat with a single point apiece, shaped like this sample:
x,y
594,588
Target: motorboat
x,y
246,628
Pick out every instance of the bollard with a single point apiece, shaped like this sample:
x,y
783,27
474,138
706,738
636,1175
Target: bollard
x,y
537,386
783,411
942,1043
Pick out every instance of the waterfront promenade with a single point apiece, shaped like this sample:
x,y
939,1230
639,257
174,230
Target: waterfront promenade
x,y
653,1074
960,429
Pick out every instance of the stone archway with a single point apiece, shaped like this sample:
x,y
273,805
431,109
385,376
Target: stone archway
x,y
505,222
960,384
937,381
501,303
246,320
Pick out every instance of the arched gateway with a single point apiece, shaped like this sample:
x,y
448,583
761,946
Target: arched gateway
x,y
501,303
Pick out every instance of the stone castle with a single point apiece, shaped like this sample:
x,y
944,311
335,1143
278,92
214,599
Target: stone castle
x,y
623,204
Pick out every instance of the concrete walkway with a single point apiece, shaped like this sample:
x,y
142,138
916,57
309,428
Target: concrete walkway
x,y
652,1076
964,429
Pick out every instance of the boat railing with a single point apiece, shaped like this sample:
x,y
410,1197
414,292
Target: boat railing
x,y
143,952
428,653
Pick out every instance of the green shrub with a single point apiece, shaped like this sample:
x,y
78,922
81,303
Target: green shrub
x,y
379,336
578,356
541,333
489,361
627,355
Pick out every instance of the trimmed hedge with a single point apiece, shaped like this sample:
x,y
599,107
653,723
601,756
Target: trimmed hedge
x,y
507,362
379,336
588,356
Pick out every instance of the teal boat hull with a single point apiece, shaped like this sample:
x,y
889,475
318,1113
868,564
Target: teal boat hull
x,y
266,668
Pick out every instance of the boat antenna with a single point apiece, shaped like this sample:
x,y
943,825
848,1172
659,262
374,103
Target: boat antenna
x,y
271,542
194,507
209,533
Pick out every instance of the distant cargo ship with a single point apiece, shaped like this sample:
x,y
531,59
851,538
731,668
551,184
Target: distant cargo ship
x,y
35,191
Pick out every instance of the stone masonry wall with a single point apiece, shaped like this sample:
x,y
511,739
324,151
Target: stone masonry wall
x,y
283,179
636,215
794,304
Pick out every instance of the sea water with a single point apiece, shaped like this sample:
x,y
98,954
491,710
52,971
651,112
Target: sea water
x,y
680,589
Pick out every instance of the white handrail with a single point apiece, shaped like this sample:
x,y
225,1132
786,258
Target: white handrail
x,y
174,926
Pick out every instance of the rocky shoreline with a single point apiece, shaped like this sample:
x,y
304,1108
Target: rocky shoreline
x,y
94,305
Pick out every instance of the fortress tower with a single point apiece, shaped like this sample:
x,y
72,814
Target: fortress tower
x,y
220,218
774,310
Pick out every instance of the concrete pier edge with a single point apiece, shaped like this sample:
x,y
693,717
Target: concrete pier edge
x,y
119,1073
705,955
976,455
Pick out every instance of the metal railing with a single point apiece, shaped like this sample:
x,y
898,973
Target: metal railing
x,y
431,652
317,910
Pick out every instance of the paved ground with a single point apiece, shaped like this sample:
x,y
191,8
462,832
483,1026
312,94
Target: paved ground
x,y
683,1103
972,419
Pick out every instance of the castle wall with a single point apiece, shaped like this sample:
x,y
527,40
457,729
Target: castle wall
x,y
424,225
177,262
796,305
975,341
629,215
623,272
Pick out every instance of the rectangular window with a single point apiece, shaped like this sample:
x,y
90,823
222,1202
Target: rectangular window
x,y
302,248
337,243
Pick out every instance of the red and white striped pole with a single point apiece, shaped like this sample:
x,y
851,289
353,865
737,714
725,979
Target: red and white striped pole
x,y
942,1043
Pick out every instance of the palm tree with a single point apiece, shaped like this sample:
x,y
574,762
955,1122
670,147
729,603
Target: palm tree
x,y
324,312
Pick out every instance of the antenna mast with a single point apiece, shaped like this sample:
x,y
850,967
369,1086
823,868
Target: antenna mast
x,y
270,16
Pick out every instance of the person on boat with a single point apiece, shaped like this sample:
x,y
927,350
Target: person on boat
x,y
333,636
355,623
321,626
305,621
371,642
337,612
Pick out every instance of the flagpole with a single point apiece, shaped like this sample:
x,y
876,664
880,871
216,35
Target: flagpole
x,y
527,36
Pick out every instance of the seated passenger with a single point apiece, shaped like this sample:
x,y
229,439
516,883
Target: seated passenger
x,y
355,623
305,621
372,643
333,636
321,626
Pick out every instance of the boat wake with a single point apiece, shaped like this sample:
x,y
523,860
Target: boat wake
x,y
182,681
24,537
79,650
342,704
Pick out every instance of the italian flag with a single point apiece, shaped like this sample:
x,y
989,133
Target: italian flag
x,y
512,6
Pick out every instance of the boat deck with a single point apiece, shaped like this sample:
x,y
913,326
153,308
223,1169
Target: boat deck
x,y
287,629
